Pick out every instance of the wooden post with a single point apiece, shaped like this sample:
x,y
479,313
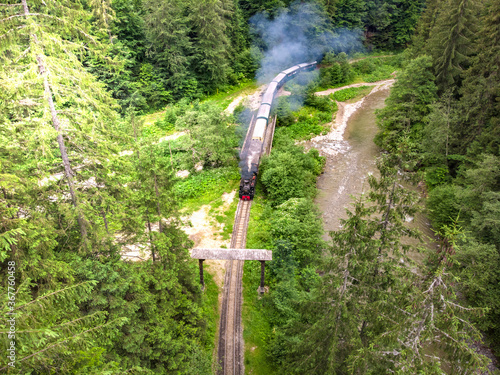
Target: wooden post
x,y
202,282
262,273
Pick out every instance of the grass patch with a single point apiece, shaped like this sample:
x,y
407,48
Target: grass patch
x,y
224,98
351,93
154,122
377,68
210,306
152,118
205,187
361,55
309,122
258,236
257,328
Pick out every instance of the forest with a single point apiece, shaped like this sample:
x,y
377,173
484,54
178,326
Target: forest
x,y
104,102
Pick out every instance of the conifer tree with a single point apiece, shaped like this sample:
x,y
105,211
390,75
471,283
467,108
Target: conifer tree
x,y
408,106
424,27
480,90
53,97
211,44
167,31
104,14
346,13
452,40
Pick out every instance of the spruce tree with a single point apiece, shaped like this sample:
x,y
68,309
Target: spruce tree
x,y
408,107
169,44
452,42
55,99
424,27
211,45
481,84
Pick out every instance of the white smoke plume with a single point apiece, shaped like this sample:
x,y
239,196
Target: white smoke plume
x,y
301,33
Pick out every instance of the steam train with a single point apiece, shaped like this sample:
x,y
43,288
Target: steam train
x,y
251,158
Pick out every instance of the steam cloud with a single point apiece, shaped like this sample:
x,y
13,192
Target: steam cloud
x,y
299,34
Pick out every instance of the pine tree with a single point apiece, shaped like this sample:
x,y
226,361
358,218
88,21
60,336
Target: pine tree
x,y
424,27
54,98
451,43
210,42
170,47
104,14
346,13
480,93
408,106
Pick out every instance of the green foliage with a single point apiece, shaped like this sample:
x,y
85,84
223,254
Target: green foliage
x,y
450,42
213,137
284,112
336,75
436,176
289,173
455,139
347,13
199,183
480,281
210,43
309,120
391,23
349,93
408,105
297,222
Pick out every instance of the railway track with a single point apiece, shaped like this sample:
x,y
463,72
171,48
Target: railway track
x,y
230,350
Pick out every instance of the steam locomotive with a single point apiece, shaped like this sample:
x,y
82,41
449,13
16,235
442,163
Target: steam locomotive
x,y
251,159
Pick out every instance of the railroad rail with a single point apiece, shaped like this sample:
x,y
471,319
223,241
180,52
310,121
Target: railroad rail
x,y
258,141
230,350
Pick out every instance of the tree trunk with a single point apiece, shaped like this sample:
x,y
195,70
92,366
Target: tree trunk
x,y
60,141
151,244
384,227
158,203
103,214
68,173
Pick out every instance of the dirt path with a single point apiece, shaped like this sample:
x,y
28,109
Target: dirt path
x,y
378,83
367,57
204,232
251,101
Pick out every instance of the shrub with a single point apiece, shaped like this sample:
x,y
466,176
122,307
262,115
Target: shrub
x,y
346,94
198,183
443,204
290,174
297,222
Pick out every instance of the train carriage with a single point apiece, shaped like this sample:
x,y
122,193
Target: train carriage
x,y
264,111
259,129
280,79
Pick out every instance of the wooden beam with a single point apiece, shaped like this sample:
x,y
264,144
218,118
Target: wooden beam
x,y
232,254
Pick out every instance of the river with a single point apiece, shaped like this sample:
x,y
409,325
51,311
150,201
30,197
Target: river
x,y
351,157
